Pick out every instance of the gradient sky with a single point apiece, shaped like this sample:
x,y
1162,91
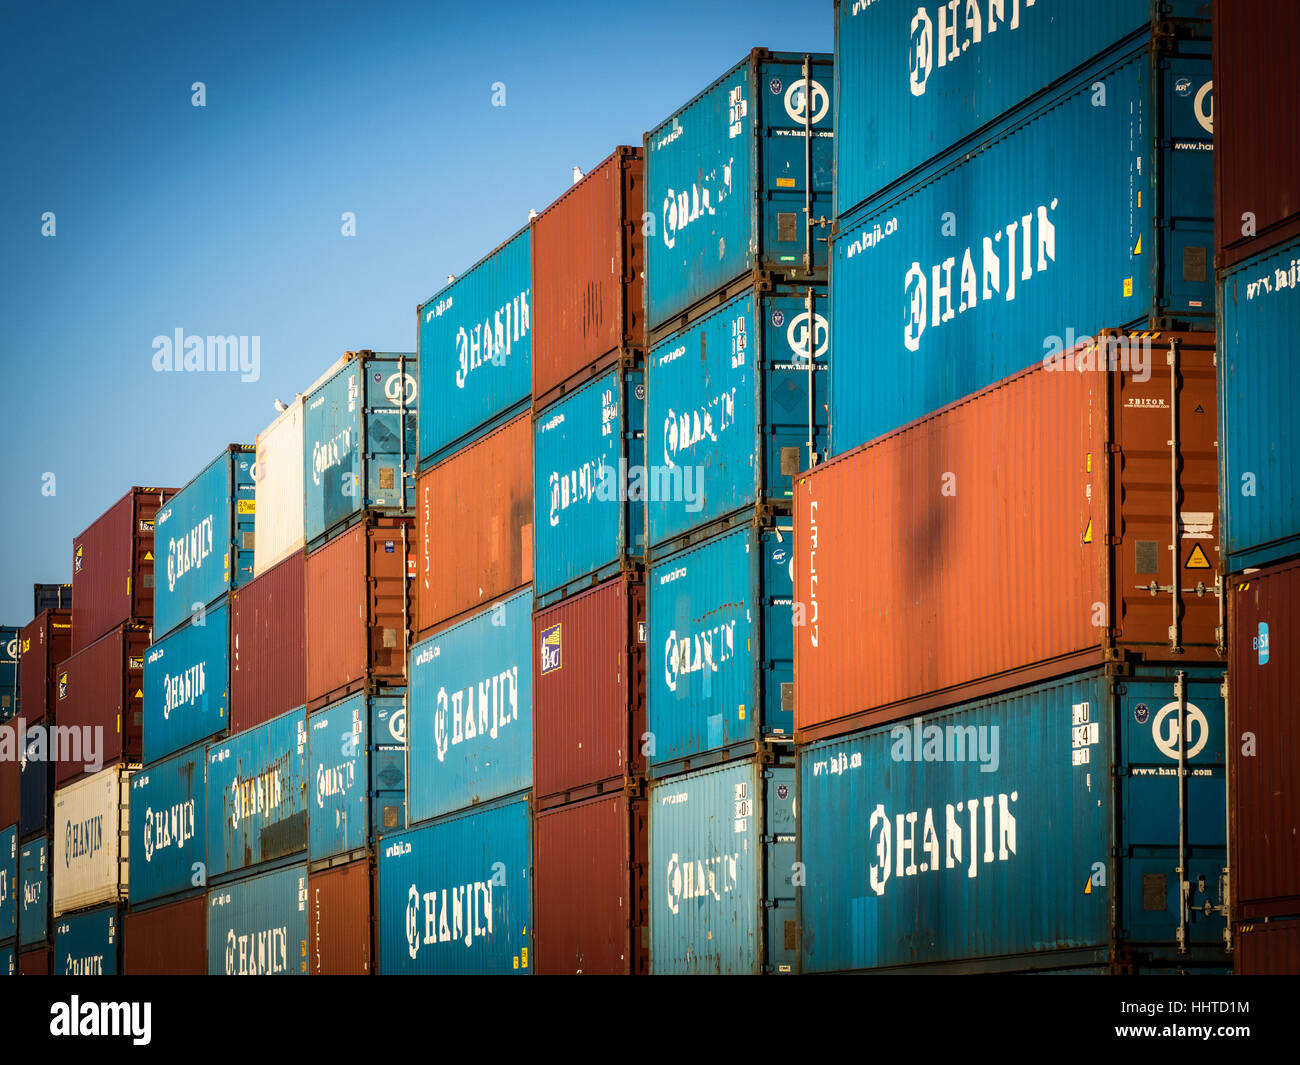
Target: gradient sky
x,y
225,219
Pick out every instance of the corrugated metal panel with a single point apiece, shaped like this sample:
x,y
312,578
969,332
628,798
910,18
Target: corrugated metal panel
x,y
728,408
591,901
727,179
455,897
102,688
471,711
35,787
51,597
204,536
44,643
10,885
722,857
474,547
10,785
589,692
720,646
476,348
91,842
1020,528
278,495
34,893
257,795
1268,949
258,926
339,923
1259,304
168,940
980,267
187,684
32,962
588,274
10,671
1017,828
268,644
89,944
587,449
168,803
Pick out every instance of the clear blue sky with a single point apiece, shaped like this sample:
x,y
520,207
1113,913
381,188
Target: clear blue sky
x,y
225,219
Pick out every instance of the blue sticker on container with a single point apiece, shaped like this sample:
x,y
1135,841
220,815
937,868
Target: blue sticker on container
x,y
1141,713
1261,643
778,319
782,792
388,547
550,649
775,86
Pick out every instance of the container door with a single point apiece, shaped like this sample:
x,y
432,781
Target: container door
x,y
781,912
777,661
390,436
389,601
239,569
790,333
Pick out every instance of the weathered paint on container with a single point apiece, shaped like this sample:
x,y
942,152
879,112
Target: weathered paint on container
x,y
33,892
204,539
475,546
359,441
102,687
10,671
476,350
728,408
471,711
339,921
1037,829
35,788
92,850
1009,538
44,643
1259,320
591,890
588,263
170,940
89,943
728,181
268,644
937,292
456,896
257,795
257,926
722,865
51,597
720,648
187,684
10,885
113,567
168,818
1267,948
587,449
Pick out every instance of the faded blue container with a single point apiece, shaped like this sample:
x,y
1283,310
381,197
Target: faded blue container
x,y
720,648
722,854
187,685
8,960
88,943
258,926
35,793
587,449
914,79
257,795
34,893
356,772
359,437
9,883
1259,379
203,539
917,854
456,896
168,807
1118,235
9,686
471,711
728,408
476,350
727,179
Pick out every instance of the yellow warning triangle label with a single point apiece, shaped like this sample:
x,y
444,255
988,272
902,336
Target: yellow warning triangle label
x,y
139,694
1198,559
1087,533
1087,887
148,556
1137,248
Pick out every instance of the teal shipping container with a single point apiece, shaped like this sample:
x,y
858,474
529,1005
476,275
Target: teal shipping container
x,y
34,893
257,926
168,821
187,684
89,943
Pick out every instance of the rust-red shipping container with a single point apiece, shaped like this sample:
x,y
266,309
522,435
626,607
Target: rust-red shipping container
x,y
113,566
169,940
268,644
475,525
45,642
589,693
1263,678
10,786
339,920
35,962
1019,534
1267,948
1256,126
590,900
360,601
587,276
101,688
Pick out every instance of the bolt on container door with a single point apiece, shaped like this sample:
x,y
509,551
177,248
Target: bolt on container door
x,y
89,943
10,886
34,897
91,841
258,926
169,804
187,684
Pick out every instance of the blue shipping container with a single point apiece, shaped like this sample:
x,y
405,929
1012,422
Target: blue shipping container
x,y
722,854
1011,832
168,803
8,960
471,711
727,177
1259,378
34,893
187,685
358,444
721,647
9,886
203,539
89,943
257,795
9,686
588,448
456,897
1012,252
35,786
728,408
258,926
476,350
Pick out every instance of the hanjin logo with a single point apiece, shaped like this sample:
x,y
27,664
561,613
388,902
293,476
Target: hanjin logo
x,y
400,389
796,102
550,649
801,338
1166,737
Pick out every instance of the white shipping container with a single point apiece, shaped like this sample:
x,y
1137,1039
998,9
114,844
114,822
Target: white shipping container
x,y
91,849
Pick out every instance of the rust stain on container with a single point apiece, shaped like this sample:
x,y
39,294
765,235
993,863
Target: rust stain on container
x,y
43,644
339,921
169,940
102,687
268,644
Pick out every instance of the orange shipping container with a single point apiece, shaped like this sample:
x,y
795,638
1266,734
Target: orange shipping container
x,y
339,921
169,940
